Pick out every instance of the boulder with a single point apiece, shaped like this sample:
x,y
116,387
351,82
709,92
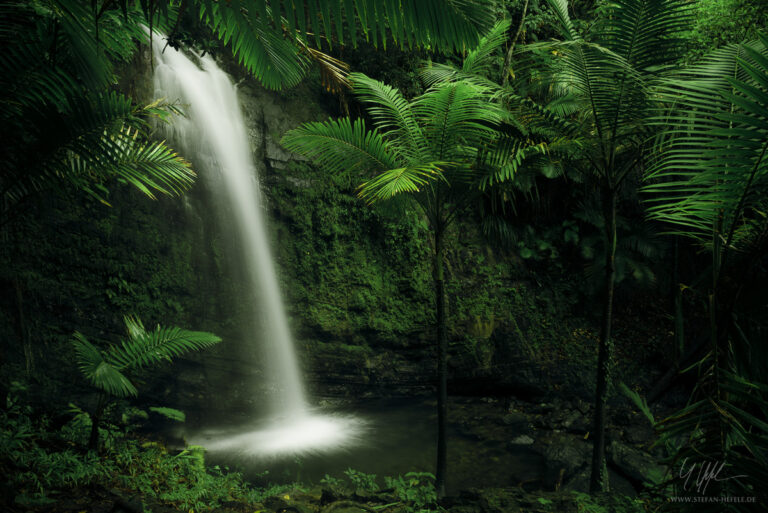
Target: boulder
x,y
522,440
565,456
637,466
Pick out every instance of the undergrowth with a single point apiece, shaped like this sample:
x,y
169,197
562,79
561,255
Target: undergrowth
x,y
41,462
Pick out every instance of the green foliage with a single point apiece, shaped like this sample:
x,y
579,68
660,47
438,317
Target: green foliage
x,y
613,503
41,465
169,413
354,271
142,348
271,39
708,183
61,121
416,490
723,22
361,482
78,262
718,116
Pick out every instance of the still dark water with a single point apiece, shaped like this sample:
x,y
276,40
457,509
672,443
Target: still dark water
x,y
400,437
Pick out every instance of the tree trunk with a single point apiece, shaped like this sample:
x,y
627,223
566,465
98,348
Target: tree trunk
x,y
26,343
678,304
511,50
93,440
598,481
442,367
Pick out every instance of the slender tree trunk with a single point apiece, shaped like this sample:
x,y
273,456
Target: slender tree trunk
x,y
511,50
93,440
26,343
678,304
442,367
599,478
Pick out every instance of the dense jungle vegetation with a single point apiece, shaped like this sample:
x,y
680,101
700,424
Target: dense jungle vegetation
x,y
544,221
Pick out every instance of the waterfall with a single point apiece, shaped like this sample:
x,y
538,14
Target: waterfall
x,y
213,135
216,134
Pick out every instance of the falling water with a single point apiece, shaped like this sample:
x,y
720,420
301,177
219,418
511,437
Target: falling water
x,y
213,135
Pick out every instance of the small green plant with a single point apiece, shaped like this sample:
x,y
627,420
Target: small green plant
x,y
106,370
361,481
416,490
331,482
586,503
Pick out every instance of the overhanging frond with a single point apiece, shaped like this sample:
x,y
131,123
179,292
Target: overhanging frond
x,y
144,348
341,146
408,179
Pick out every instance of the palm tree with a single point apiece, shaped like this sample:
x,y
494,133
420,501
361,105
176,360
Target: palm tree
x,y
106,370
609,74
439,149
708,183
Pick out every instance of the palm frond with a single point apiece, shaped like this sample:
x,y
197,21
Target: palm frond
x,y
259,47
99,372
479,60
648,34
342,146
458,118
477,64
408,179
143,348
711,167
393,114
447,25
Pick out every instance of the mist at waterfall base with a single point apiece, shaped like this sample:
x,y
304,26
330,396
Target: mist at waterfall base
x,y
213,136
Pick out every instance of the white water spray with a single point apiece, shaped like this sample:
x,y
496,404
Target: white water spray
x,y
214,136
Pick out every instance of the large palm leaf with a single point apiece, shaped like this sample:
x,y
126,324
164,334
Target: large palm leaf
x,y
437,135
270,37
711,171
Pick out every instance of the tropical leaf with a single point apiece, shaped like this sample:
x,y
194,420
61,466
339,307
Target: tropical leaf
x,y
258,46
140,349
393,115
169,413
143,348
710,168
341,146
61,123
98,372
403,180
